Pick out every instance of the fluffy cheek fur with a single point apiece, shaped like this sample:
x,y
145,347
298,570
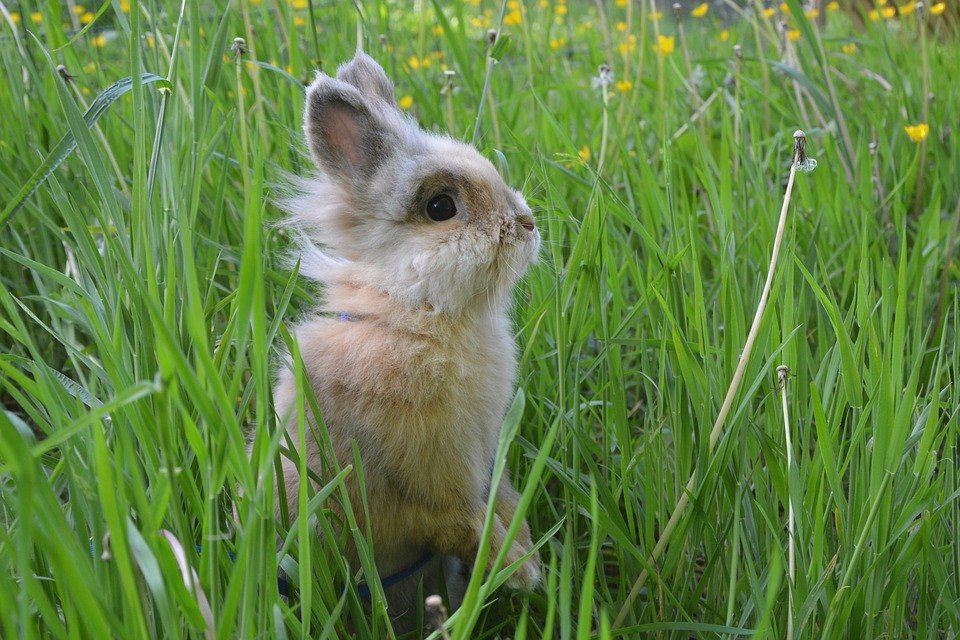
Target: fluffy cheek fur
x,y
448,271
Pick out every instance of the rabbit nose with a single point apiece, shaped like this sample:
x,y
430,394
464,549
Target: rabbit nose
x,y
526,221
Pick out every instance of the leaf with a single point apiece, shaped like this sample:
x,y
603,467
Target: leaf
x,y
68,142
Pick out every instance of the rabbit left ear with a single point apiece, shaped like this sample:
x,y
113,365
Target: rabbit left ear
x,y
348,136
368,77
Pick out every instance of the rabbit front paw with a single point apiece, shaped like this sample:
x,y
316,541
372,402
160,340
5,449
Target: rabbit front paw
x,y
527,576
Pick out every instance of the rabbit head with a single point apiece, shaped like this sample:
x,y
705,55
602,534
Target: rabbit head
x,y
420,217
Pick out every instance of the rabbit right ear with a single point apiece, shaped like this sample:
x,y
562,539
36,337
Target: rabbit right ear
x,y
347,137
365,74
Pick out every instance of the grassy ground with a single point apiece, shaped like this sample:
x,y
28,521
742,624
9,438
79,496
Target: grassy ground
x,y
144,301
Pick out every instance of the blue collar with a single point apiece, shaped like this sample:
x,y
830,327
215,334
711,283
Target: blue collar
x,y
363,589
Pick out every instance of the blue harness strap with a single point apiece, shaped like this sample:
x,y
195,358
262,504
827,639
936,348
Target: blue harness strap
x,y
363,589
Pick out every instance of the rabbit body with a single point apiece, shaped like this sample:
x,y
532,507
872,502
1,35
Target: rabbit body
x,y
418,242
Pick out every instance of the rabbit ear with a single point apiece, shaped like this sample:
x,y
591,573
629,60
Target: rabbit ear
x,y
347,136
368,77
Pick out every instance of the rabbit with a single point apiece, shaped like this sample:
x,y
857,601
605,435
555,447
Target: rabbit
x,y
418,244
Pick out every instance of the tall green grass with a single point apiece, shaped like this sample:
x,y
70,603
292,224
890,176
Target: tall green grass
x,y
144,303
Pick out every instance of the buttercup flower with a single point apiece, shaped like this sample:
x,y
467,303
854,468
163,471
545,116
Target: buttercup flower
x,y
405,102
833,6
793,35
938,8
849,49
665,45
769,12
513,18
584,153
917,132
908,8
700,10
628,45
36,17
724,35
624,85
888,12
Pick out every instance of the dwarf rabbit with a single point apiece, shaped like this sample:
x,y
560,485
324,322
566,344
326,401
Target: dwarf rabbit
x,y
418,243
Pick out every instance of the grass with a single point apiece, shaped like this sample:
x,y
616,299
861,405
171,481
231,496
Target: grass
x,y
144,303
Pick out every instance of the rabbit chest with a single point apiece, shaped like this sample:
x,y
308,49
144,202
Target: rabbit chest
x,y
423,410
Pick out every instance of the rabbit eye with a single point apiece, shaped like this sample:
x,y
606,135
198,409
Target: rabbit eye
x,y
441,208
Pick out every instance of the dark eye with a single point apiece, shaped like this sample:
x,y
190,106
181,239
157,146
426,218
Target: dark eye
x,y
441,208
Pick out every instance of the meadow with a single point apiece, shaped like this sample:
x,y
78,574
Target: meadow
x,y
145,300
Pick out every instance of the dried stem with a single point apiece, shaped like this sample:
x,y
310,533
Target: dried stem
x,y
678,511
783,373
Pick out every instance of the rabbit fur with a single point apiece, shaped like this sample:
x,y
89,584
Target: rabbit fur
x,y
420,376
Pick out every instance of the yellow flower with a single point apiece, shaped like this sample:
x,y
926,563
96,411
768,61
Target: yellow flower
x,y
289,69
438,30
665,45
769,12
584,153
87,18
888,12
299,21
405,102
622,3
624,85
100,42
15,17
849,49
724,35
561,9
908,8
413,62
628,46
299,4
256,3
833,6
882,3
79,9
621,26
557,43
150,40
90,67
513,18
700,10
656,15
874,15
812,14
543,4
36,17
793,35
513,5
475,3
938,8
125,6
784,8
917,132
